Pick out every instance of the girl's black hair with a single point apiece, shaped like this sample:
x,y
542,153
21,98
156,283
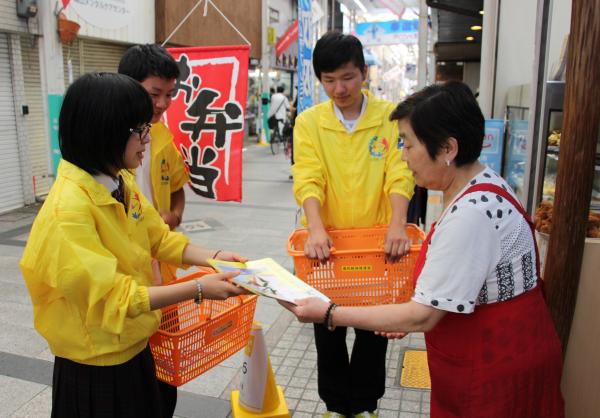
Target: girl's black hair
x,y
439,112
96,114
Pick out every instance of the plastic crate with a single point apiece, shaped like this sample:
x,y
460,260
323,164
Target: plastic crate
x,y
194,338
357,273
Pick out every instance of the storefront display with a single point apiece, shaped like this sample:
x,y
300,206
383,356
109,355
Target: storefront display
x,y
552,123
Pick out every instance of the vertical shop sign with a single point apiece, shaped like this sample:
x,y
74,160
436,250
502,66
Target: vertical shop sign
x,y
491,153
206,117
54,104
305,74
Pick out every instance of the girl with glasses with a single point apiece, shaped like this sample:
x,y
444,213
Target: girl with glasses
x,y
87,263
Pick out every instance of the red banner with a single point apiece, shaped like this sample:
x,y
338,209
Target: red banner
x,y
206,117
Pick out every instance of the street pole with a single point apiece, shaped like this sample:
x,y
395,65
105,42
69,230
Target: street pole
x,y
423,29
265,64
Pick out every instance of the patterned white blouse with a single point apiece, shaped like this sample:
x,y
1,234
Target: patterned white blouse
x,y
482,251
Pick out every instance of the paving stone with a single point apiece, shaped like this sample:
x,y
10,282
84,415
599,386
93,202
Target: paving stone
x,y
387,413
393,404
411,395
306,406
410,406
298,382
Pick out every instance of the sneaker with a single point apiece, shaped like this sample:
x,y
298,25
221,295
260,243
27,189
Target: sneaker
x,y
330,414
365,415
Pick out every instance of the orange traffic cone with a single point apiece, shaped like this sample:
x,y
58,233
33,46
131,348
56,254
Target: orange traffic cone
x,y
259,395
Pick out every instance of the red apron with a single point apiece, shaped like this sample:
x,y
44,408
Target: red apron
x,y
502,361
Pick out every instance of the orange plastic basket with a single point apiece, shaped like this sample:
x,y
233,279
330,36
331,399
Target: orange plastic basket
x,y
193,338
357,273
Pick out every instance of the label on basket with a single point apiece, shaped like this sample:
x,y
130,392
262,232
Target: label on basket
x,y
357,268
219,328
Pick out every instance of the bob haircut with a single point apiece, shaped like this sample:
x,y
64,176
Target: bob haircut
x,y
439,112
142,61
335,49
96,114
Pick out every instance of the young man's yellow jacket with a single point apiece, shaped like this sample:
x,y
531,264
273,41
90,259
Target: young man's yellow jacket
x,y
167,169
351,174
87,268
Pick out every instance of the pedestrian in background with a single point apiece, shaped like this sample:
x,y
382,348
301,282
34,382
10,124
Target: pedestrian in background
x,y
87,263
279,108
348,173
491,344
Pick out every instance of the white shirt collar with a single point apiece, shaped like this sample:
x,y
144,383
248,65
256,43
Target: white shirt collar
x,y
350,124
107,181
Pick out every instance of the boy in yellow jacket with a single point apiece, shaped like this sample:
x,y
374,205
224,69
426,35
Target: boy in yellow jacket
x,y
162,173
348,173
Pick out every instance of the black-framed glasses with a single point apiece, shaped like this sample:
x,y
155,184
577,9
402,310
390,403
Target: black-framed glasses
x,y
142,132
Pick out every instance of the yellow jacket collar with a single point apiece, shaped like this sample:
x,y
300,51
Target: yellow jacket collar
x,y
372,117
97,192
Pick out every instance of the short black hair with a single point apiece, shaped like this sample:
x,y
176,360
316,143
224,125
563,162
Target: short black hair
x,y
96,114
280,89
142,61
439,112
335,49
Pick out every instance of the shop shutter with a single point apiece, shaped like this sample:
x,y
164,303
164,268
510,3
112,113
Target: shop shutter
x,y
11,190
38,140
89,56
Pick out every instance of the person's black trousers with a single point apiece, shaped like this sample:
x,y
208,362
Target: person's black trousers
x,y
355,384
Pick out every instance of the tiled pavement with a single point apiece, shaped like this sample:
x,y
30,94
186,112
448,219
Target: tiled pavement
x,y
256,228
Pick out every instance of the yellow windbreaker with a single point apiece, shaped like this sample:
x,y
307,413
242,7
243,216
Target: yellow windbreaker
x,y
351,174
167,169
87,268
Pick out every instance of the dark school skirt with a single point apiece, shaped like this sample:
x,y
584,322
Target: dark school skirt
x,y
122,391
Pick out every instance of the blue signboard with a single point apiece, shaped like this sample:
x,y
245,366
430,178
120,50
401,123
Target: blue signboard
x,y
393,32
306,81
493,144
516,154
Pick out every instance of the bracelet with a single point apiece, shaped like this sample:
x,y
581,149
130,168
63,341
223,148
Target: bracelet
x,y
330,325
198,298
217,253
327,322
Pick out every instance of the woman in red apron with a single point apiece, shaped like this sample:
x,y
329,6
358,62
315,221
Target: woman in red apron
x,y
491,344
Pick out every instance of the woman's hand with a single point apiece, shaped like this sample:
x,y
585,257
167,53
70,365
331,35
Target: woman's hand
x,y
396,244
230,256
307,310
392,335
317,244
218,286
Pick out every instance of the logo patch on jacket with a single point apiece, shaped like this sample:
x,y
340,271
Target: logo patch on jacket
x,y
378,147
135,206
164,171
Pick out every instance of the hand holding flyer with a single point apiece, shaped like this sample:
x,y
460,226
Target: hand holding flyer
x,y
267,278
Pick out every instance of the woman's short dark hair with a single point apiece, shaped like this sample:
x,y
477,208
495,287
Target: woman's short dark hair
x,y
335,49
439,112
96,114
143,61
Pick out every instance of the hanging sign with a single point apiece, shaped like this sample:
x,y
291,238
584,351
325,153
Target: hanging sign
x,y
206,117
105,14
286,49
388,33
493,141
306,81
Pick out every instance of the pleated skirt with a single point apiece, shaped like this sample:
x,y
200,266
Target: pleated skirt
x,y
122,391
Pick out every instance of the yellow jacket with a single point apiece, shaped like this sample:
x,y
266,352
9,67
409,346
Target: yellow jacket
x,y
351,174
167,169
87,268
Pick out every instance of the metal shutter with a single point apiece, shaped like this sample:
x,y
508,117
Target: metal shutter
x,y
90,56
38,140
11,190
